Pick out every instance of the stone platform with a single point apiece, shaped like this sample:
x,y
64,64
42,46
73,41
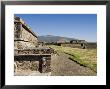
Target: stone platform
x,y
42,57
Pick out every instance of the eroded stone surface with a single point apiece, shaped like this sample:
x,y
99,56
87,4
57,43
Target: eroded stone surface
x,y
23,35
28,55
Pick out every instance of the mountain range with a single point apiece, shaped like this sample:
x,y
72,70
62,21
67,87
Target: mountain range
x,y
51,38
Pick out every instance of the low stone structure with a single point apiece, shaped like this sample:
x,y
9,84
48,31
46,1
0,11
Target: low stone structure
x,y
78,44
75,45
91,45
31,59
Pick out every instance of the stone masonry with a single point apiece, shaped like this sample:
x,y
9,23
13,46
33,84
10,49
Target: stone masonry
x,y
27,53
24,37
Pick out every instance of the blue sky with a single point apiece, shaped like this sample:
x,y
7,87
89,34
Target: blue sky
x,y
79,26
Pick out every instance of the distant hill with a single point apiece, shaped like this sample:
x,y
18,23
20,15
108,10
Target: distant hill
x,y
51,38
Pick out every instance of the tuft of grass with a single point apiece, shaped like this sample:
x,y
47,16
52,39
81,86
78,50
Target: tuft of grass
x,y
84,57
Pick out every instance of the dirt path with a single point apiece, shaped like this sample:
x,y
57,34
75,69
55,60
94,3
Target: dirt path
x,y
62,66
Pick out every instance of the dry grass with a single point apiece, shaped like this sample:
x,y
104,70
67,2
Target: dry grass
x,y
85,57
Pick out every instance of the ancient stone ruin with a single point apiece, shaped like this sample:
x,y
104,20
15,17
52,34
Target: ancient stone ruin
x,y
27,53
24,37
76,44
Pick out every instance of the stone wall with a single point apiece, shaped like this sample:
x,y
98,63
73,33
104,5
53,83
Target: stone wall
x,y
27,53
26,65
39,63
23,35
23,45
81,45
91,45
28,37
73,45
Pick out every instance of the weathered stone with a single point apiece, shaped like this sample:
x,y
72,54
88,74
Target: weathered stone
x,y
27,53
32,65
34,51
23,35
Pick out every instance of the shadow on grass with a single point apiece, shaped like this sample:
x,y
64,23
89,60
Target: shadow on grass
x,y
77,62
73,57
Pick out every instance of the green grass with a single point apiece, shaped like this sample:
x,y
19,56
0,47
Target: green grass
x,y
85,57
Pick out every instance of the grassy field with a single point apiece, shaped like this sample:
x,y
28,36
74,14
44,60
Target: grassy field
x,y
85,57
